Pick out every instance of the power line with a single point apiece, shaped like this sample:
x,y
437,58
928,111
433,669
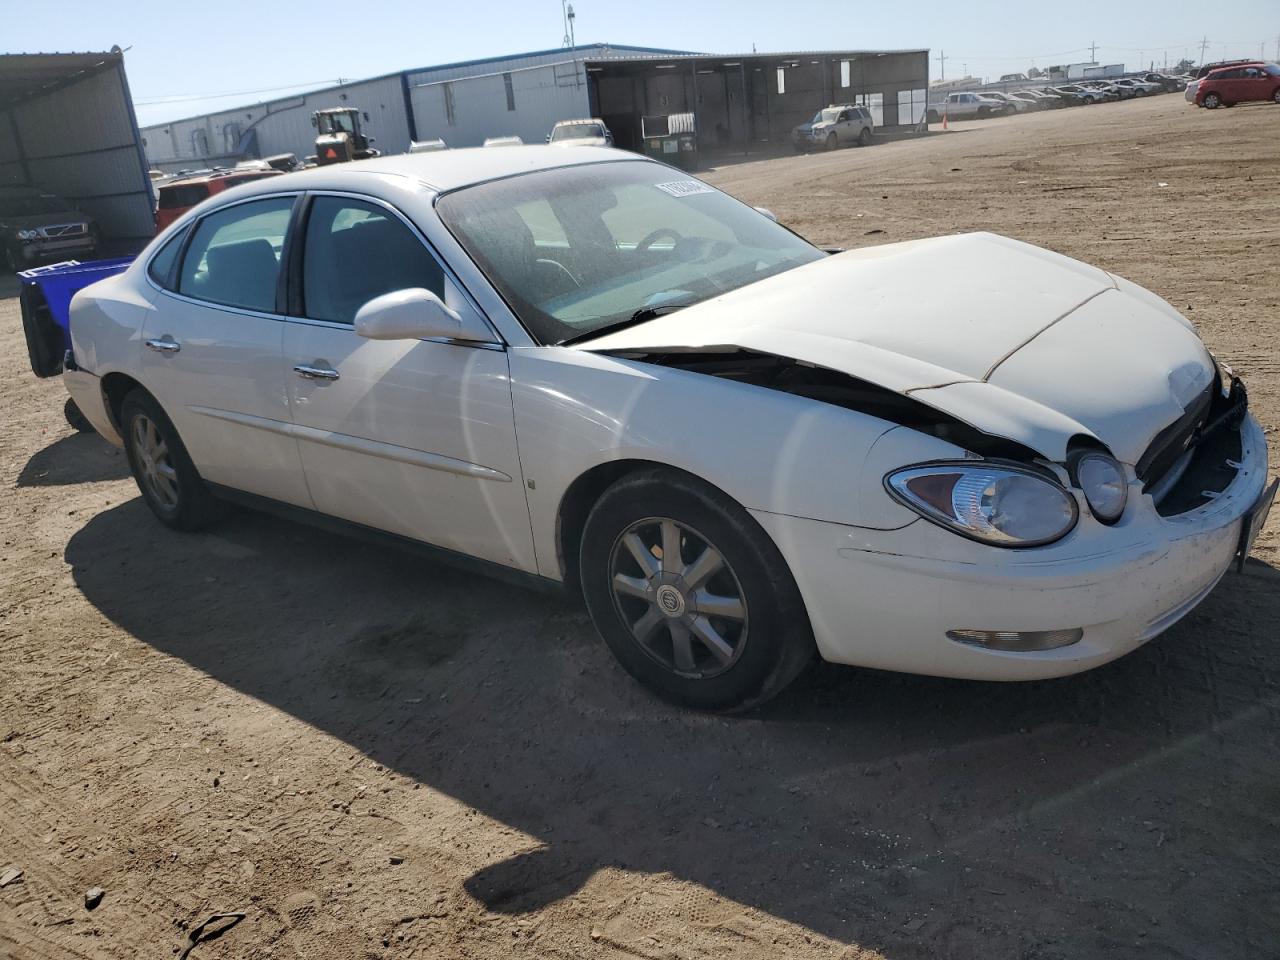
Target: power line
x,y
188,97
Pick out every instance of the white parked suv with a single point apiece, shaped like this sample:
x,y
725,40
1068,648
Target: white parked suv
x,y
588,368
835,126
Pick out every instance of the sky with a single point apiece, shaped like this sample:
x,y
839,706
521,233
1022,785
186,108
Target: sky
x,y
187,58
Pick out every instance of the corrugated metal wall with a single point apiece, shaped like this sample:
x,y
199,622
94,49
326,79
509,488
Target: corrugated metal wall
x,y
281,126
464,112
80,142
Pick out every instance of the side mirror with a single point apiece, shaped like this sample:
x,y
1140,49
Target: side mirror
x,y
767,213
411,314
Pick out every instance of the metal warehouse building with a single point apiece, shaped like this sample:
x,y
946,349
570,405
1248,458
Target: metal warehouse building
x,y
67,127
741,103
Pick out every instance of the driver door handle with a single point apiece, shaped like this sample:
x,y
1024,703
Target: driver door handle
x,y
164,345
308,372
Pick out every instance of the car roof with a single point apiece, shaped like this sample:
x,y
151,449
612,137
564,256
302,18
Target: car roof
x,y
182,181
1236,66
445,170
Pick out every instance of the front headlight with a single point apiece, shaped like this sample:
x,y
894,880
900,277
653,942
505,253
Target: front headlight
x,y
27,234
999,504
1101,479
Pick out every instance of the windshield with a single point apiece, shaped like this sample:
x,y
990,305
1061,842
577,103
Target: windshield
x,y
826,116
576,131
576,250
336,123
30,204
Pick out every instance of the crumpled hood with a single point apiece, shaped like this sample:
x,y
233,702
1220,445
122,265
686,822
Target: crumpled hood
x,y
1014,340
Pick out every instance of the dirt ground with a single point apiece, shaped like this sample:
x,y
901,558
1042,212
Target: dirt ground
x,y
374,756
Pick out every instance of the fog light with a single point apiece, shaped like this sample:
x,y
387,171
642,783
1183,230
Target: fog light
x,y
1020,641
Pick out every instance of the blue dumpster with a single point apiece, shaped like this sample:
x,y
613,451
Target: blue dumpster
x,y
46,315
46,307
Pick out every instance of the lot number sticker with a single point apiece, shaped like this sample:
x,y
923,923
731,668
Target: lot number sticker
x,y
684,188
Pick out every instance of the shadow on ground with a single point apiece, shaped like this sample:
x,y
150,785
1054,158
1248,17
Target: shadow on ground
x,y
78,458
1126,812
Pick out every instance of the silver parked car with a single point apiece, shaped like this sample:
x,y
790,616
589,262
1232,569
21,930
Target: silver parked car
x,y
968,106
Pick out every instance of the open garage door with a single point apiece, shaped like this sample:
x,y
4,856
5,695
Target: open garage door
x,y
67,126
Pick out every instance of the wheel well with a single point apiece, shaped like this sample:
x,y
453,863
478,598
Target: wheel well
x,y
115,387
582,495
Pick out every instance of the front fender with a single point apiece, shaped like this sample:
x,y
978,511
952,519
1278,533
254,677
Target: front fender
x,y
770,451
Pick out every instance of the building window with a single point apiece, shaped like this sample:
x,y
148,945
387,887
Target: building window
x,y
511,93
911,106
875,103
844,73
782,80
448,104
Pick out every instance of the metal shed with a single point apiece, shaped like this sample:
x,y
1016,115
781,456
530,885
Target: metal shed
x,y
748,103
67,126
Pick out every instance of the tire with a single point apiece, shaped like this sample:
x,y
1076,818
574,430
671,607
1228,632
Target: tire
x,y
763,636
10,261
983,111
165,475
931,116
864,137
1275,97
75,418
1211,101
833,142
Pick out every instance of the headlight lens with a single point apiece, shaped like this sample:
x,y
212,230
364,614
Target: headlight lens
x,y
1006,506
27,234
1102,480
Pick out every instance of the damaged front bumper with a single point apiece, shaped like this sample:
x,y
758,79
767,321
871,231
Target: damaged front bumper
x,y
887,598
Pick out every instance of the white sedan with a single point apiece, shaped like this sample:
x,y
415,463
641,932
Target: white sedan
x,y
965,456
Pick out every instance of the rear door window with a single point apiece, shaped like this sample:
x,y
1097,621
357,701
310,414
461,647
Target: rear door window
x,y
161,267
355,251
234,255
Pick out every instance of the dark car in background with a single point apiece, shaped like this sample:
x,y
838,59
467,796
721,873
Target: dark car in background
x,y
38,227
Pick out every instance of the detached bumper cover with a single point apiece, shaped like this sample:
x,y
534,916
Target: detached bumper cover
x,y
86,391
886,598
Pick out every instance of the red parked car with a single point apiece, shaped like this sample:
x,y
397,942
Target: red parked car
x,y
178,196
1242,83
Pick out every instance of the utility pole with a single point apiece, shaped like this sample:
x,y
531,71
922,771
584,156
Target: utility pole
x,y
942,64
1093,51
1204,45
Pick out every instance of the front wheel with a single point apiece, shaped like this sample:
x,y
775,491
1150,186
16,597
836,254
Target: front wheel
x,y
165,475
833,142
690,594
1211,101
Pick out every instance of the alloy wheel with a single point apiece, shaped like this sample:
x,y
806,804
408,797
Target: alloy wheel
x,y
679,597
157,469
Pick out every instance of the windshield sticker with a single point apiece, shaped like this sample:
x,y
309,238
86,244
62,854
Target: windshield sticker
x,y
684,188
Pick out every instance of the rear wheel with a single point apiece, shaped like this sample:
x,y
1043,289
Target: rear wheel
x,y
1275,97
931,116
1211,101
690,594
165,475
864,138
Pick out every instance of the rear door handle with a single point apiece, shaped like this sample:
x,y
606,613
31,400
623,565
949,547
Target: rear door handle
x,y
165,345
308,372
